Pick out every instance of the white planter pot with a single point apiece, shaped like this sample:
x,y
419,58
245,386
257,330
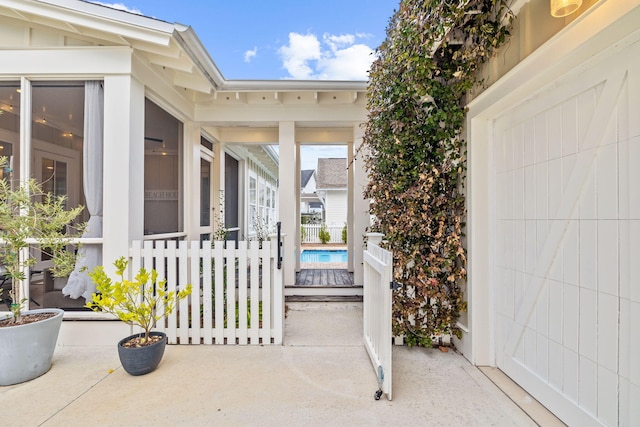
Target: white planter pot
x,y
26,350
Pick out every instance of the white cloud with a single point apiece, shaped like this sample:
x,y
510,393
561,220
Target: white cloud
x,y
336,42
350,63
119,6
248,55
337,57
296,57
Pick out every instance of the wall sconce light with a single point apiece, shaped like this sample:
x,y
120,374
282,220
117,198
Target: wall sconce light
x,y
560,8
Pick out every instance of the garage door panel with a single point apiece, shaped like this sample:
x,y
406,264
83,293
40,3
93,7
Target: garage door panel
x,y
559,240
629,176
607,177
588,325
579,175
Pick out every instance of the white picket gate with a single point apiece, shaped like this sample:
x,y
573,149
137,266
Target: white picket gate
x,y
237,293
378,275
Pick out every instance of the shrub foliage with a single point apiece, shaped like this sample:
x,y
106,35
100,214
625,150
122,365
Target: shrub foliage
x,y
415,154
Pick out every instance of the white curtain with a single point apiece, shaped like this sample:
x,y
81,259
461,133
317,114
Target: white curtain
x,y
90,256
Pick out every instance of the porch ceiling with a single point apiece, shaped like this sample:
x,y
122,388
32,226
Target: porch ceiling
x,y
268,133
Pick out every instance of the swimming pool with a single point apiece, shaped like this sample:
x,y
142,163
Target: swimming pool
x,y
323,255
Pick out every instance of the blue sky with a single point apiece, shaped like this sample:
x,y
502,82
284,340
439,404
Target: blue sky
x,y
280,39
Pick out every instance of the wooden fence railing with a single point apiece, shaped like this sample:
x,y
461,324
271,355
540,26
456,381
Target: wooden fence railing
x,y
238,296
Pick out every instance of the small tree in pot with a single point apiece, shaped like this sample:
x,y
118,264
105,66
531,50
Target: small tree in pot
x,y
139,302
28,212
31,220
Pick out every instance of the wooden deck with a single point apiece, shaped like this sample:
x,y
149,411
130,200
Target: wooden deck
x,y
338,277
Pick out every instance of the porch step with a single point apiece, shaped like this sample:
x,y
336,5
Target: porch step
x,y
323,298
323,293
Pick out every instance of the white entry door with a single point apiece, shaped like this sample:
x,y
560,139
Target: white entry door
x,y
566,179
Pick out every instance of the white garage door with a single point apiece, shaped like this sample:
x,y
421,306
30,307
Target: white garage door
x,y
566,177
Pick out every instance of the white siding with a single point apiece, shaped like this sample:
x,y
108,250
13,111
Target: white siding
x,y
310,188
336,207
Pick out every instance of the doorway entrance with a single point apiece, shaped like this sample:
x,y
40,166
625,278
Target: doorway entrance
x,y
323,270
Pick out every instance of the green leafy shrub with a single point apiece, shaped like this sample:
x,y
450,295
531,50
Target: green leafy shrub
x,y
344,234
324,235
415,154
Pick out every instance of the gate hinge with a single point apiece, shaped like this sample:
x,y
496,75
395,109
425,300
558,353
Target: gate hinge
x,y
394,286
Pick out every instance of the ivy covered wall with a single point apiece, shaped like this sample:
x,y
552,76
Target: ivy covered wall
x,y
415,156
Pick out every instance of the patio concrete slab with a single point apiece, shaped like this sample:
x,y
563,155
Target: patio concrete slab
x,y
322,376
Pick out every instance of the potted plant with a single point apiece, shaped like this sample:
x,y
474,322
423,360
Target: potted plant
x,y
30,220
139,302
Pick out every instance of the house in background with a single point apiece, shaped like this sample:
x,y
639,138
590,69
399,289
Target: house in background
x,y
310,204
332,189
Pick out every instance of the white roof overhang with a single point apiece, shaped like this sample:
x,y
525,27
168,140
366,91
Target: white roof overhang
x,y
176,55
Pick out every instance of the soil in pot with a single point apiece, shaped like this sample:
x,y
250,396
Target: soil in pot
x,y
25,319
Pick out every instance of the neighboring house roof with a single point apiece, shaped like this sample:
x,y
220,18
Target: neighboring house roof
x,y
305,176
332,174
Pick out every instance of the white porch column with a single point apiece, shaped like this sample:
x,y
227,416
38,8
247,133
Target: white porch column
x,y
123,210
351,243
297,236
191,187
360,206
286,196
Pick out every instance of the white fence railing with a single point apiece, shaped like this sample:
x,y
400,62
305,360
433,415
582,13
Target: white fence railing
x,y
311,233
376,313
238,293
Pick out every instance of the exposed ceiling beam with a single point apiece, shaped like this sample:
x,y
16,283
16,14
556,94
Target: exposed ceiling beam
x,y
192,81
178,64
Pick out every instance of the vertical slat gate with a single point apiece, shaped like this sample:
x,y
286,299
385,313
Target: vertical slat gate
x,y
207,300
230,254
219,292
194,279
266,294
254,327
183,305
378,274
237,296
242,293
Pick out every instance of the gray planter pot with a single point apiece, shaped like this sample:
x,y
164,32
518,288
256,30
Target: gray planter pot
x,y
140,361
26,350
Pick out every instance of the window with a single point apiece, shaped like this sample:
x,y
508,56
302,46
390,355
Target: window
x,y
66,136
163,198
261,204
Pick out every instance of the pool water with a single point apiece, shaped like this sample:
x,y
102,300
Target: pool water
x,y
323,255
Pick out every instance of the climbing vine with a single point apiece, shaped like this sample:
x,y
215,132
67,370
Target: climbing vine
x,y
415,154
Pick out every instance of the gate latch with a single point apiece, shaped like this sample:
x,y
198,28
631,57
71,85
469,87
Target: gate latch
x,y
394,286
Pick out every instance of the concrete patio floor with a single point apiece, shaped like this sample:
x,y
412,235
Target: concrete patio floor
x,y
322,376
